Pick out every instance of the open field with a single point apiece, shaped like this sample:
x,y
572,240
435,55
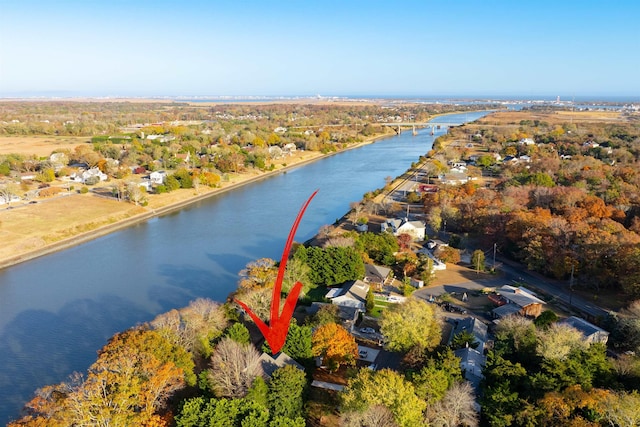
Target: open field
x,y
40,146
31,227
553,118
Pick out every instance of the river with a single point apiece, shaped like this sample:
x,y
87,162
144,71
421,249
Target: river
x,y
58,310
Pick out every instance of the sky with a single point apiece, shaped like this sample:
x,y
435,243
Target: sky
x,y
371,48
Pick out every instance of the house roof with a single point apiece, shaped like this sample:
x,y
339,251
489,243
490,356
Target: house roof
x,y
506,310
470,355
587,329
519,296
376,272
270,364
473,325
354,290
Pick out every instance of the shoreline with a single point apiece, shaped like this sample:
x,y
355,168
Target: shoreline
x,y
171,207
177,205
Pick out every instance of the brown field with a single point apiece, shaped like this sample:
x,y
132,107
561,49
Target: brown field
x,y
40,146
29,228
553,118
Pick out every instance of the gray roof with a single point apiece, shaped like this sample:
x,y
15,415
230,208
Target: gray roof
x,y
473,325
583,326
376,272
506,310
270,364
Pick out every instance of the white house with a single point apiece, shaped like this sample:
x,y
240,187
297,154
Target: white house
x,y
351,294
415,229
158,177
88,174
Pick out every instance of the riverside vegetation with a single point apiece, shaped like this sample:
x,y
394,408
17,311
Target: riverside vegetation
x,y
567,208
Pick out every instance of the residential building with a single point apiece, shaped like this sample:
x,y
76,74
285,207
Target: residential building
x,y
592,333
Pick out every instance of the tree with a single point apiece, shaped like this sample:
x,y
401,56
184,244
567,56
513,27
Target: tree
x,y
387,388
299,342
370,303
258,274
239,333
455,409
414,323
477,260
464,339
623,409
335,345
546,318
193,327
374,416
199,411
558,341
331,266
326,314
234,367
286,391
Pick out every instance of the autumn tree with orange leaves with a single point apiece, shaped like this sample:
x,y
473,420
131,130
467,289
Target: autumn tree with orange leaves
x,y
335,345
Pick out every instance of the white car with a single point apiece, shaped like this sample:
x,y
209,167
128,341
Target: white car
x,y
367,330
363,354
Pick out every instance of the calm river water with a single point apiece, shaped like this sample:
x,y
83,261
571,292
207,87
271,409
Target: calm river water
x,y
57,311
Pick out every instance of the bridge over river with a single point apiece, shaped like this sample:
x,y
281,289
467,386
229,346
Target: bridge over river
x,y
397,126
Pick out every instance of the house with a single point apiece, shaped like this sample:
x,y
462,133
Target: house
x,y
280,129
437,264
89,174
526,141
27,176
289,148
471,362
376,275
185,157
270,364
455,178
473,326
416,229
158,177
351,294
512,300
592,333
146,184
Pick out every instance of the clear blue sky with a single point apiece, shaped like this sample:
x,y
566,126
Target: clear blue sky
x,y
333,48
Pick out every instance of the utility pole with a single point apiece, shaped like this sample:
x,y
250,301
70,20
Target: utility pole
x,y
494,256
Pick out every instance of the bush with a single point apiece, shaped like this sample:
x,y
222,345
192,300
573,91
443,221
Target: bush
x,y
84,190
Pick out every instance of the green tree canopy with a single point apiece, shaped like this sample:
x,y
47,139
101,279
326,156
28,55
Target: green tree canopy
x,y
331,266
414,323
384,387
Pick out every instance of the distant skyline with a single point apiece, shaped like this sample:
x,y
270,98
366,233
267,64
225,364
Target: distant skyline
x,y
467,48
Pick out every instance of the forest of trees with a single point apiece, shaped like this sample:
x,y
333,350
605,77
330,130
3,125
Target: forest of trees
x,y
570,207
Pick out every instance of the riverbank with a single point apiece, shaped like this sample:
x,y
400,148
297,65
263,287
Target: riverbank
x,y
45,221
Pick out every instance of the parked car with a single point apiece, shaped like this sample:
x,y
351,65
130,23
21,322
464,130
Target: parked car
x,y
452,308
362,354
367,330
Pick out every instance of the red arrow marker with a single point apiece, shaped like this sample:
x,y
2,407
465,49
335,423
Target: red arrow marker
x,y
276,332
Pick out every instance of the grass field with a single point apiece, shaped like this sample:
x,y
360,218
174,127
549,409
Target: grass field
x,y
40,146
503,118
30,227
